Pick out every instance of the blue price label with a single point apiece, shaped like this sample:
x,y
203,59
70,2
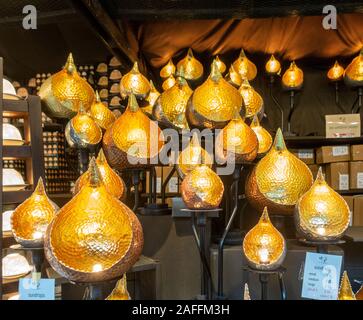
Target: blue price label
x,y
36,289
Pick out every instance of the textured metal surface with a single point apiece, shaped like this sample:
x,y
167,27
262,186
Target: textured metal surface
x,y
151,99
168,70
345,289
202,189
293,77
273,66
278,180
263,246
321,213
30,219
233,77
263,136
220,64
193,69
94,237
245,67
168,83
336,72
120,291
134,82
353,74
101,114
252,101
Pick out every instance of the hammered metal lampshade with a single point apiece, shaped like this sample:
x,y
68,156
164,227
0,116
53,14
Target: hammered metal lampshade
x,y
278,180
134,82
353,75
168,83
264,246
202,188
151,99
120,291
11,135
293,77
112,181
336,72
168,70
345,289
233,77
63,92
30,219
213,103
263,136
220,64
245,67
133,140
193,69
273,66
94,237
252,101
322,214
101,114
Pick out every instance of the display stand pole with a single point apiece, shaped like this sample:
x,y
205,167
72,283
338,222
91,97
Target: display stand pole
x,y
165,183
135,183
277,104
337,97
360,98
292,109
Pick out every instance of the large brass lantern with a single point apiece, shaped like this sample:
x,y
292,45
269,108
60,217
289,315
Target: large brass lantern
x,y
133,140
202,188
168,70
321,213
170,107
151,99
134,82
278,180
263,136
353,74
30,219
336,72
264,246
64,91
252,101
193,69
94,237
213,103
293,77
101,114
112,181
245,67
345,289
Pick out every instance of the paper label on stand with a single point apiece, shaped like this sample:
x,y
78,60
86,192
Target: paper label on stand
x,y
36,289
343,181
340,151
360,180
321,276
173,185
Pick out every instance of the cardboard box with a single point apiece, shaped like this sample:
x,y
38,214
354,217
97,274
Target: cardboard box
x,y
314,169
356,175
358,210
342,125
356,152
329,154
305,155
350,202
337,175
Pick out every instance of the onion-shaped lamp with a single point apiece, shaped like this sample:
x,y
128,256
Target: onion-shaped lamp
x,y
134,82
245,67
193,69
252,101
101,114
151,99
168,70
345,289
220,64
273,66
233,77
353,75
263,136
336,72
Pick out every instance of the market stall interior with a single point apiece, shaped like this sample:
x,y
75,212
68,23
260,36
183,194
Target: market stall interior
x,y
184,151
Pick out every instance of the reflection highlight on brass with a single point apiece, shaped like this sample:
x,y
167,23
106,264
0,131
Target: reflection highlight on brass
x,y
245,67
263,136
293,77
168,70
252,101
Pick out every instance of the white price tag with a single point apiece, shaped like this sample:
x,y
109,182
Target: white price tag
x,y
340,151
360,180
173,184
305,154
343,181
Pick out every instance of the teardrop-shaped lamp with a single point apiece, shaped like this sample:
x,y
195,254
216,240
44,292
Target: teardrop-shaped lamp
x,y
134,82
193,69
263,136
245,67
252,100
293,77
101,114
168,70
336,72
353,75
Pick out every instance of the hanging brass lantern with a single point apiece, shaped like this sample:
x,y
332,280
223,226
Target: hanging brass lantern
x,y
82,131
233,77
112,181
120,291
353,75
192,156
236,142
134,82
336,72
245,67
278,180
293,77
263,136
321,213
169,109
264,246
168,70
94,237
220,64
273,66
345,289
151,99
63,92
133,140
252,101
168,83
202,188
193,69
101,114
213,103
30,219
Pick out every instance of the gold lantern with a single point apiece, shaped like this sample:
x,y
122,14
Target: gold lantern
x,y
264,246
233,77
168,70
133,140
120,291
63,92
168,83
101,114
273,66
220,64
213,103
245,67
151,99
30,219
293,77
94,237
252,101
336,72
236,142
321,213
202,188
353,74
193,69
112,181
345,289
169,109
134,82
278,180
192,156
82,131
263,136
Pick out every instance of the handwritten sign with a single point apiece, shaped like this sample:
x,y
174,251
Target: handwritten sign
x,y
36,289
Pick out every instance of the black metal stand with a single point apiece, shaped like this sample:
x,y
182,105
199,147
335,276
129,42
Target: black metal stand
x,y
322,246
277,104
264,278
135,183
292,109
336,85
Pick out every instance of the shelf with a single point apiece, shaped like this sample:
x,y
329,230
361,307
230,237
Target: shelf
x,y
317,141
48,126
14,106
8,240
350,192
16,196
17,152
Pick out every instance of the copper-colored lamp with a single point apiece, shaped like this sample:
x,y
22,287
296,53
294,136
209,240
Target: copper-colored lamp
x,y
336,72
233,77
252,100
245,67
273,66
293,77
220,64
151,99
263,136
193,69
168,70
168,83
353,75
134,82
101,114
